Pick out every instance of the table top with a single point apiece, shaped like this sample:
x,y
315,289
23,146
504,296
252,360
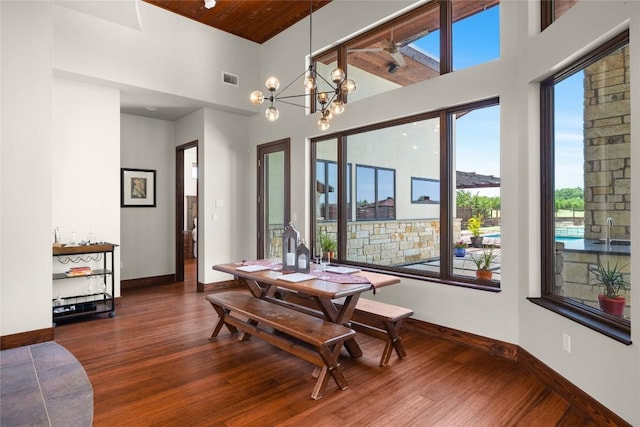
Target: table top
x,y
315,287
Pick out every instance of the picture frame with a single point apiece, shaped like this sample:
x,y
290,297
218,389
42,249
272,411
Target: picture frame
x,y
137,188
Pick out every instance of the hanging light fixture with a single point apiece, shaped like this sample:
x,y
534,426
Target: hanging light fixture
x,y
329,102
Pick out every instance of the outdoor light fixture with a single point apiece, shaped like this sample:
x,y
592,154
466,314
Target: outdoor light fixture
x,y
209,4
331,102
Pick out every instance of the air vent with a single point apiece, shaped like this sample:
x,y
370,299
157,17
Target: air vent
x,y
230,79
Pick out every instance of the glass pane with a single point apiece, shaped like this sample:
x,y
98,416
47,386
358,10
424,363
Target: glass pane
x,y
476,206
326,197
274,203
406,53
425,190
592,182
476,33
389,230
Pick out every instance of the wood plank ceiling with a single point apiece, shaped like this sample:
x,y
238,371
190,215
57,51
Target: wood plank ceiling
x,y
257,21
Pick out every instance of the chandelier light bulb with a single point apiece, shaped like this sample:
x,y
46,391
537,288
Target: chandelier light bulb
x,y
323,123
272,84
348,86
323,97
310,82
336,107
209,4
256,97
272,114
337,75
327,114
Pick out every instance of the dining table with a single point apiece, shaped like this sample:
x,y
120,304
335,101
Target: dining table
x,y
335,290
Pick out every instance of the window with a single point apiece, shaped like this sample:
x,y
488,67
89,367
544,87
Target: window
x,y
586,186
425,190
411,230
375,193
433,39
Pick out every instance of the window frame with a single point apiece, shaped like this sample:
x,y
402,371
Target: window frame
x,y
446,274
424,202
376,179
618,329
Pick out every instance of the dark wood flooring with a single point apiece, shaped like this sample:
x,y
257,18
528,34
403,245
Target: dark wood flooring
x,y
153,365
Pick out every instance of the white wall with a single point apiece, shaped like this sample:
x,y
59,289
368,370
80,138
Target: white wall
x,y
156,58
148,233
190,183
86,170
26,233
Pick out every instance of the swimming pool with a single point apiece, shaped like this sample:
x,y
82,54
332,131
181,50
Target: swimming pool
x,y
559,237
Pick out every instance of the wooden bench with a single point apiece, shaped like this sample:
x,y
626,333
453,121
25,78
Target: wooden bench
x,y
312,339
374,318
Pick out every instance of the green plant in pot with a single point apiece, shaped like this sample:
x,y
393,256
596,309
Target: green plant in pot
x,y
473,224
328,245
612,282
483,261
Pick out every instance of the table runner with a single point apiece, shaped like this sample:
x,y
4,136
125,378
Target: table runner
x,y
349,279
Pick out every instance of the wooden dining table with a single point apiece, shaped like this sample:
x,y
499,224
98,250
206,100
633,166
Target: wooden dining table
x,y
337,301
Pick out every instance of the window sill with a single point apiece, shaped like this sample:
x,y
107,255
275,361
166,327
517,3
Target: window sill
x,y
591,320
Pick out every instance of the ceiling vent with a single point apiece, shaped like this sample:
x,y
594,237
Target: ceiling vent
x,y
230,79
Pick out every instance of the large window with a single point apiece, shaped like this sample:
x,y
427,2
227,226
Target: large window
x,y
431,40
586,183
411,229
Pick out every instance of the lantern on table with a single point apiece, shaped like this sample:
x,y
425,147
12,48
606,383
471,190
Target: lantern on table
x,y
302,258
290,239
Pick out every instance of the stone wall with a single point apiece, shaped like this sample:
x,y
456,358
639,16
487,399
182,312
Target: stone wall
x,y
607,140
395,242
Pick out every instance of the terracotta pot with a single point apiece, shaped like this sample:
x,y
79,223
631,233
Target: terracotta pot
x,y
484,274
613,306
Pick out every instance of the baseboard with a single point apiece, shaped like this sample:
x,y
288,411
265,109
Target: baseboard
x,y
26,338
591,408
598,413
216,286
488,345
147,281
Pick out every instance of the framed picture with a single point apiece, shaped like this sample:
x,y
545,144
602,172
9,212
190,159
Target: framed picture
x,y
138,188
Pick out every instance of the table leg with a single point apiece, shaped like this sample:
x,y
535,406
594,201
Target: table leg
x,y
342,317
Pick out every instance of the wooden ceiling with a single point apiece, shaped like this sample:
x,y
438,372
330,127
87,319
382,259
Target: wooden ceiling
x,y
257,21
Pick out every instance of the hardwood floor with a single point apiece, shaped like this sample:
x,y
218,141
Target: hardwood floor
x,y
153,365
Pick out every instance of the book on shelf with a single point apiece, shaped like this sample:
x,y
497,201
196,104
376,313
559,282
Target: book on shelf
x,y
79,271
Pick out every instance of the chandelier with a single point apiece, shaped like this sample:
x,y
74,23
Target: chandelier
x,y
330,101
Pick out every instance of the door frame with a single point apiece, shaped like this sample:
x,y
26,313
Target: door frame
x,y
283,145
179,204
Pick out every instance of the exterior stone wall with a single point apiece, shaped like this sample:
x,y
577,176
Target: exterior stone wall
x,y
607,141
392,242
578,282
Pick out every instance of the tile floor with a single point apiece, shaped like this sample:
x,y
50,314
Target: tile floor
x,y
44,385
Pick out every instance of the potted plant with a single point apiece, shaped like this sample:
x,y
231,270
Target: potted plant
x,y
473,224
611,280
483,262
328,245
460,249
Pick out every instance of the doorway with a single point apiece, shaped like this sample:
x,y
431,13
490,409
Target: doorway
x,y
186,212
274,201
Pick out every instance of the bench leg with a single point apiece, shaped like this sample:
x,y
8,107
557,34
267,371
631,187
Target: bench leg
x,y
221,316
331,367
394,342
